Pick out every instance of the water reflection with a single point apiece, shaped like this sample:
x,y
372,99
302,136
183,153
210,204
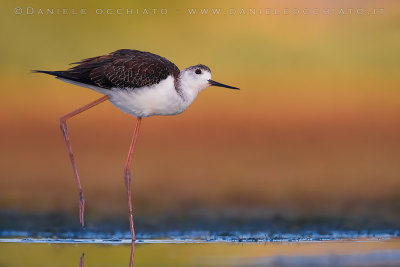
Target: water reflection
x,y
352,252
132,253
82,259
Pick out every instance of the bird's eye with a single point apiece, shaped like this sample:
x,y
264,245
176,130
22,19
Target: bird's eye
x,y
198,71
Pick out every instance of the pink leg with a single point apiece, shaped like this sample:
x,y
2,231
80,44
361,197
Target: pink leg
x,y
127,175
63,126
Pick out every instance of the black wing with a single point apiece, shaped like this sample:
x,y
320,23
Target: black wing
x,y
123,68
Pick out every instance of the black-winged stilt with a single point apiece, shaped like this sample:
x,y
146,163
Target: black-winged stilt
x,y
139,83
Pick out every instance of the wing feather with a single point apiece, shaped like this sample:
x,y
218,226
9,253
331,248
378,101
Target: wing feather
x,y
123,68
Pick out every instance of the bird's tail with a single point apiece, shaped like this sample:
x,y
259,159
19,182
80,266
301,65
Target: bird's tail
x,y
54,73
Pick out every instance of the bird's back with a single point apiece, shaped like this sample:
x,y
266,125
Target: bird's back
x,y
124,68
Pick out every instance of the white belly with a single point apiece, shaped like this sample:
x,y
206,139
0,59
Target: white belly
x,y
158,99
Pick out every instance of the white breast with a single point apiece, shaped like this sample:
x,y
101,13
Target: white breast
x,y
158,99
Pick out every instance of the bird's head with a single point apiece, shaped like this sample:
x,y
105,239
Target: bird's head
x,y
198,78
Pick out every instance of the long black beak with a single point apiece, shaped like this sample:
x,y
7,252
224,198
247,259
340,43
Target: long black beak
x,y
214,83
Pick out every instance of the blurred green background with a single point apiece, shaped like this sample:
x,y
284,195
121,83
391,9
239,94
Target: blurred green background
x,y
314,131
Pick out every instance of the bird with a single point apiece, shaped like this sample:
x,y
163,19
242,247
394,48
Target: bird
x,y
138,83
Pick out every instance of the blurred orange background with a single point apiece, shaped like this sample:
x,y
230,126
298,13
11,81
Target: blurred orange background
x,y
315,128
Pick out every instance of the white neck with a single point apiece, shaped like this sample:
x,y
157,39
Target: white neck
x,y
187,92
